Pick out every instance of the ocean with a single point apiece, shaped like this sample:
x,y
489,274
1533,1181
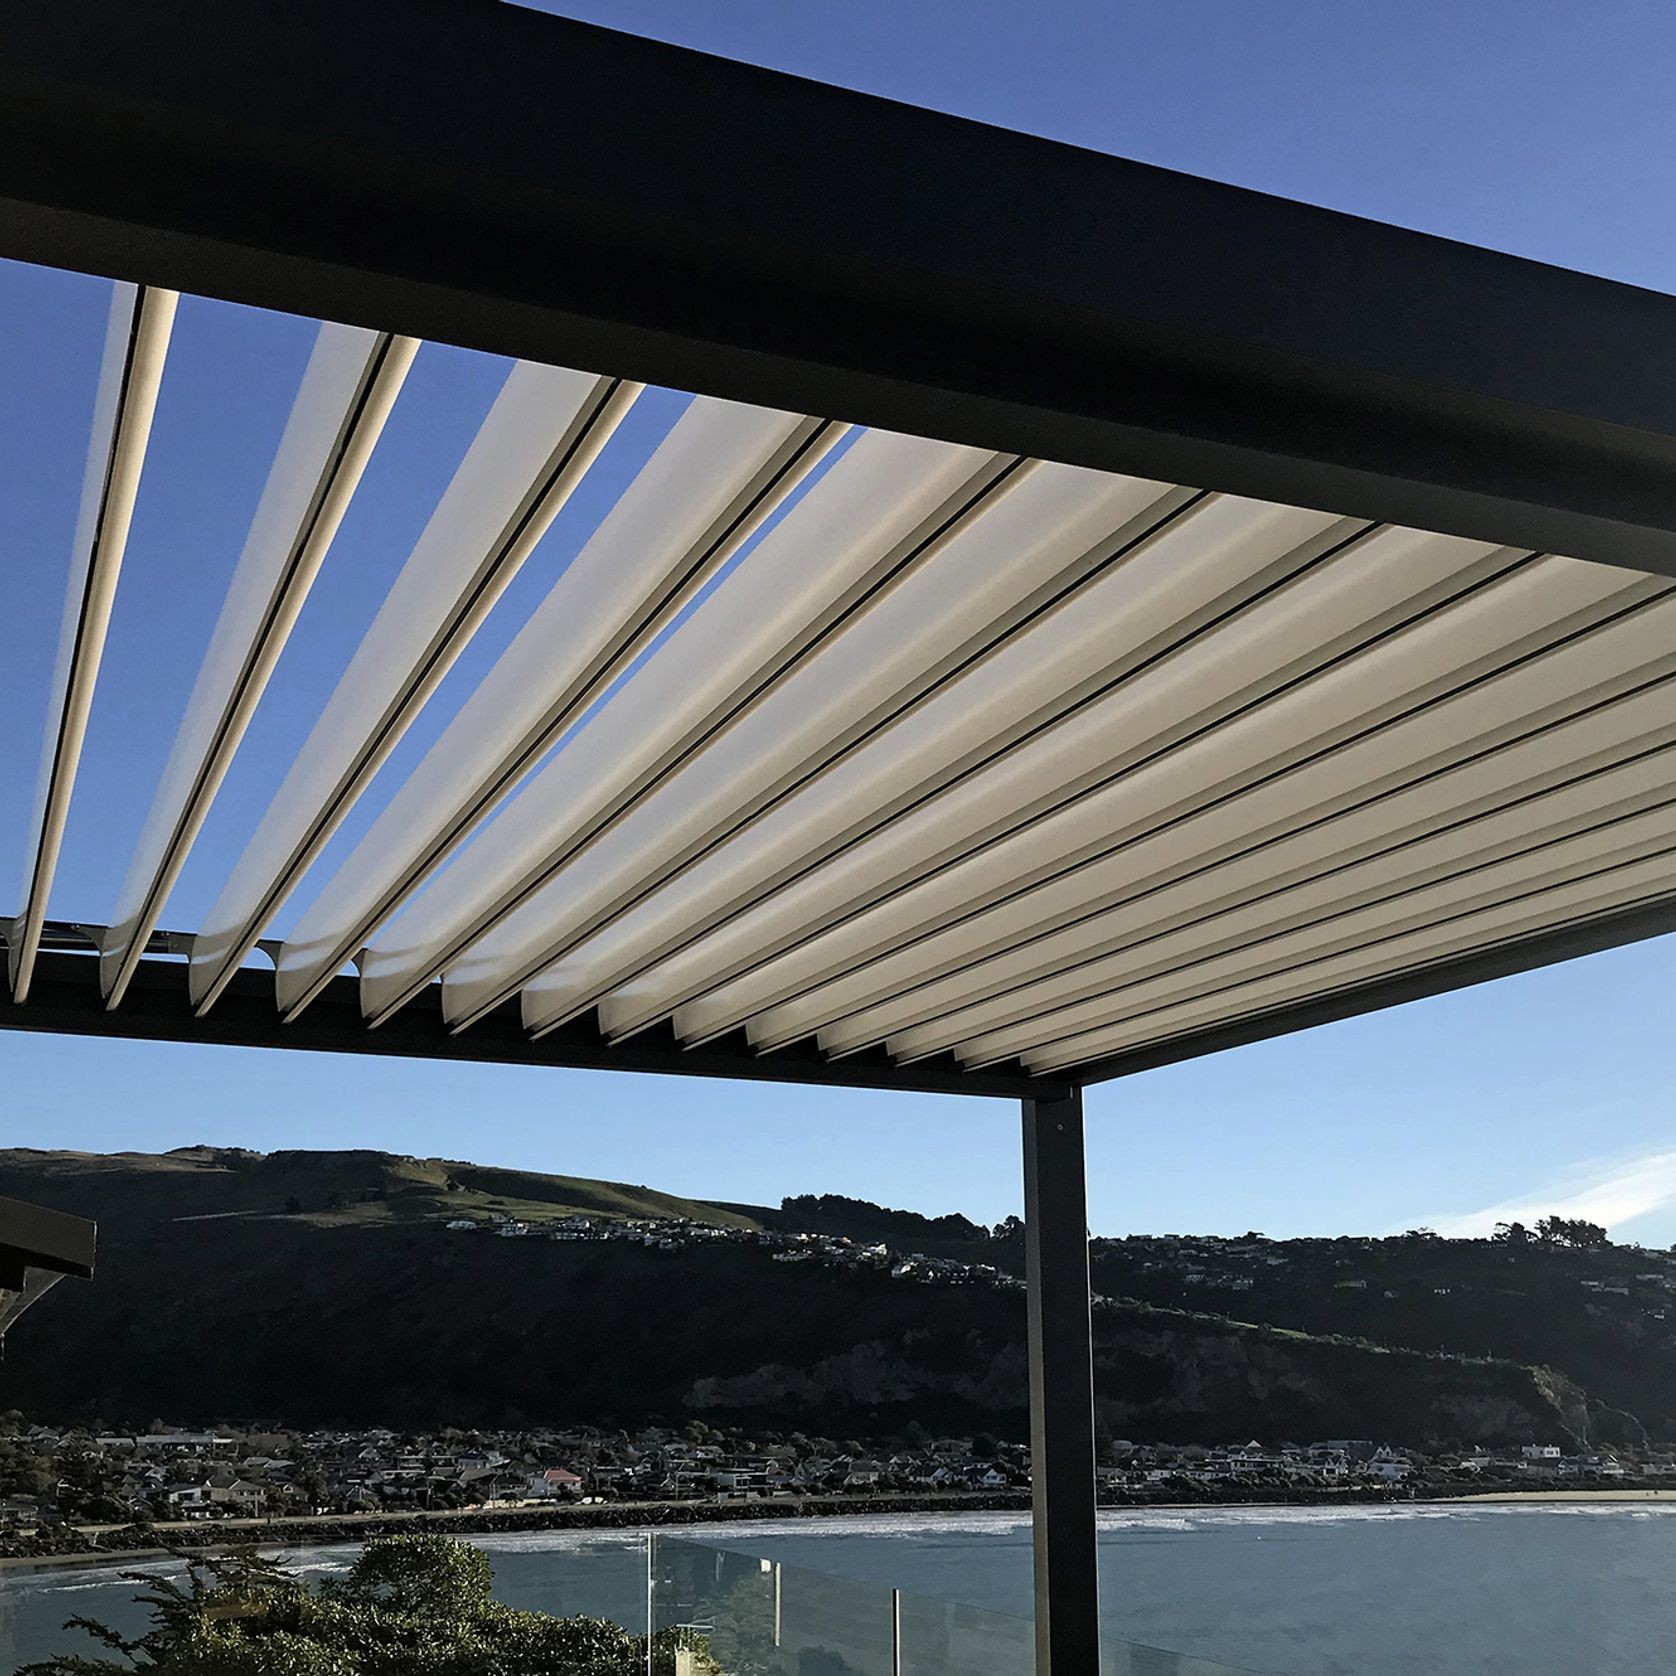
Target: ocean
x,y
1572,1589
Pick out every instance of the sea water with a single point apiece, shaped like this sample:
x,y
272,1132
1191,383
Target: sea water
x,y
1572,1589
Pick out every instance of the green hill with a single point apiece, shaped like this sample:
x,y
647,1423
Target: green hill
x,y
313,1288
127,1190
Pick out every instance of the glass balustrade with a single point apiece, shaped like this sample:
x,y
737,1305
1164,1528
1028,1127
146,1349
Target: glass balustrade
x,y
713,1610
720,1612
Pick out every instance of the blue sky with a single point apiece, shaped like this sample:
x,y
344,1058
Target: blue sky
x,y
1535,128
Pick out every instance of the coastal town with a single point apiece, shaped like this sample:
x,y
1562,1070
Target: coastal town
x,y
674,1234
62,1488
70,1486
1185,1265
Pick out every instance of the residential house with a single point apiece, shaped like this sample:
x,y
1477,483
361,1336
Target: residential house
x,y
1388,1468
241,1498
554,1482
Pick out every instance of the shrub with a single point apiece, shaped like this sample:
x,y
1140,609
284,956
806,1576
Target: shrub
x,y
411,1605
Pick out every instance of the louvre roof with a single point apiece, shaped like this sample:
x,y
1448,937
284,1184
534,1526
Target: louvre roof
x,y
854,751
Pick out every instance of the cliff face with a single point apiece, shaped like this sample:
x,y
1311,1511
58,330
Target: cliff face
x,y
358,1305
1197,1378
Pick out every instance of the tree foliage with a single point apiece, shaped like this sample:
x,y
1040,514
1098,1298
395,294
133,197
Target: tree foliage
x,y
420,1576
1571,1233
1574,1232
412,1605
838,1213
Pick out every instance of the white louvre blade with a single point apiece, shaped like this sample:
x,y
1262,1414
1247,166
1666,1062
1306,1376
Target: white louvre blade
x,y
1492,859
841,548
1025,559
1568,902
544,430
136,346
1190,722
1153,884
348,389
721,472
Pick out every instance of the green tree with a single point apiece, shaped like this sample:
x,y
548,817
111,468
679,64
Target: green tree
x,y
411,1605
83,1493
1573,1232
420,1575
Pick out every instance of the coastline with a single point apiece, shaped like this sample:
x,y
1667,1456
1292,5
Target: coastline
x,y
129,1542
124,1545
1560,1495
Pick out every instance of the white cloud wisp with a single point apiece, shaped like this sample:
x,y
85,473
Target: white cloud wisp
x,y
1608,1191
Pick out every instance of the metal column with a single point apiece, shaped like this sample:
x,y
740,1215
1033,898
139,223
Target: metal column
x,y
1061,1389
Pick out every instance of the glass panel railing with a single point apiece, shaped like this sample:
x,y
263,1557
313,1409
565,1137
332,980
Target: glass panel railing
x,y
1131,1658
744,1615
759,1617
716,1611
597,1575
948,1638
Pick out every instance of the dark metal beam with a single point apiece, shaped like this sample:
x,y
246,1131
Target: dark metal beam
x,y
65,999
46,1239
1525,954
1061,1389
489,176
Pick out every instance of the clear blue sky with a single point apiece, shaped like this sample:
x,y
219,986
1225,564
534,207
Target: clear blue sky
x,y
1534,127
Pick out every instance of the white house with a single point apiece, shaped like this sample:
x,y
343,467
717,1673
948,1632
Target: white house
x,y
555,1481
1388,1468
241,1498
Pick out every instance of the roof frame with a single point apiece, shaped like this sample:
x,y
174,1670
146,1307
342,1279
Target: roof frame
x,y
66,1000
480,179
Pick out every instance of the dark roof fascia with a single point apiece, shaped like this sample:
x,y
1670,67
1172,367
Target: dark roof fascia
x,y
489,176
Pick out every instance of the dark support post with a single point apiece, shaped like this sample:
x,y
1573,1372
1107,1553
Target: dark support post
x,y
1061,1388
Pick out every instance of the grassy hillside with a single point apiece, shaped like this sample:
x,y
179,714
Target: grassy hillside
x,y
214,1301
127,1190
